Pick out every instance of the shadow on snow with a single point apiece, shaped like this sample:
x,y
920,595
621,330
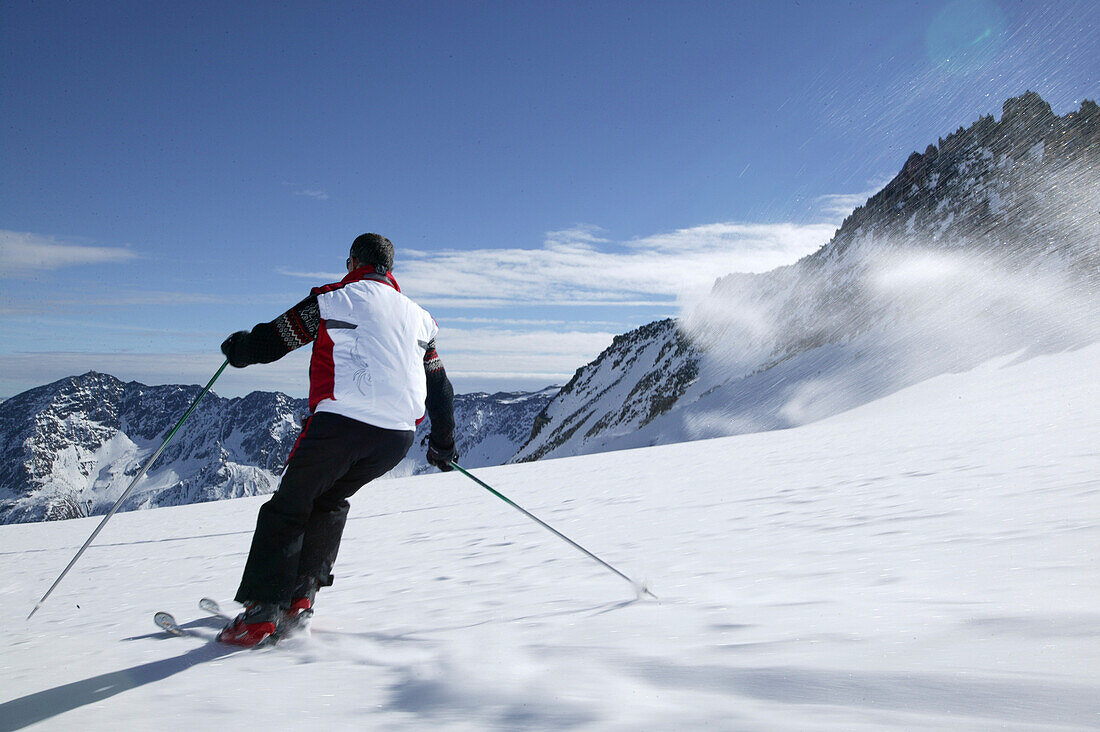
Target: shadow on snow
x,y
43,705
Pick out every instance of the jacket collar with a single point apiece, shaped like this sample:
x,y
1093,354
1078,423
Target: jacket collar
x,y
366,272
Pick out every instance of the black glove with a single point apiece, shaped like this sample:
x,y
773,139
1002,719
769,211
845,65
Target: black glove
x,y
233,350
442,454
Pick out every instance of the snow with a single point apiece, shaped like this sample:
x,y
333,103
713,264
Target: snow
x,y
923,561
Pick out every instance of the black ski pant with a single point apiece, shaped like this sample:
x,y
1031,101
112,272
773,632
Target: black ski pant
x,y
298,531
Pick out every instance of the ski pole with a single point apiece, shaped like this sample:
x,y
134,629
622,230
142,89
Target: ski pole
x,y
639,587
133,483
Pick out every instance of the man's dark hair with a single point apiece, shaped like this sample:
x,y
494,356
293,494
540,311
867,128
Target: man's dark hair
x,y
373,249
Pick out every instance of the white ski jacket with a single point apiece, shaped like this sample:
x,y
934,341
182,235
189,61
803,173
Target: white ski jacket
x,y
368,357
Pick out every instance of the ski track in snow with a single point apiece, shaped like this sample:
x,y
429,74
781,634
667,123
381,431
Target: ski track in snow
x,y
925,561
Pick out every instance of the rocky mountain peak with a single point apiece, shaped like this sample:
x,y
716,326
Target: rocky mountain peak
x,y
978,185
1027,115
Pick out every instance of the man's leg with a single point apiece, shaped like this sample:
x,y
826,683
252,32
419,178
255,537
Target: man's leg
x,y
323,456
383,450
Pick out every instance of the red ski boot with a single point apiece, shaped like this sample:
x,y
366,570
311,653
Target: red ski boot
x,y
252,627
296,618
299,606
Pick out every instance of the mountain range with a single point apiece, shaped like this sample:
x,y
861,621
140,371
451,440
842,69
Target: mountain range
x,y
70,448
985,244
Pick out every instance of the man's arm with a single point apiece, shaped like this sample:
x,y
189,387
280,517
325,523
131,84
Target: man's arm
x,y
269,342
441,411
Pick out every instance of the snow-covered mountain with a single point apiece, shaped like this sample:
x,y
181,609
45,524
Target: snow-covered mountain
x,y
639,377
987,243
71,448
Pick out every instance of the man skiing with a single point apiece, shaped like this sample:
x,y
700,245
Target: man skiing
x,y
373,372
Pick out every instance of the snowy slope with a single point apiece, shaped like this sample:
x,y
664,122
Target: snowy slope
x,y
926,561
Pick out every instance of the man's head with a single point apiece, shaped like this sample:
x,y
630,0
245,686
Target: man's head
x,y
373,249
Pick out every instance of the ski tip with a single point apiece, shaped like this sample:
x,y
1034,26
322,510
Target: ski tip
x,y
167,623
210,605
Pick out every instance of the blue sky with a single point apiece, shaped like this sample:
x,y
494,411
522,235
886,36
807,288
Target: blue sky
x,y
552,173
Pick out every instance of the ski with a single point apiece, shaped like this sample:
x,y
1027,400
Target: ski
x,y
167,623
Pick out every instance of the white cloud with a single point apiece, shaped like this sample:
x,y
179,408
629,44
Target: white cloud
x,y
121,298
290,375
317,277
509,359
578,266
841,205
22,252
469,382
496,303
475,359
317,195
541,322
142,299
498,342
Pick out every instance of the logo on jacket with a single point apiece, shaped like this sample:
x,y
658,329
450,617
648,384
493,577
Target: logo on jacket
x,y
362,375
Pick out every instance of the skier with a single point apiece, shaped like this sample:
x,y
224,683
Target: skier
x,y
373,372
